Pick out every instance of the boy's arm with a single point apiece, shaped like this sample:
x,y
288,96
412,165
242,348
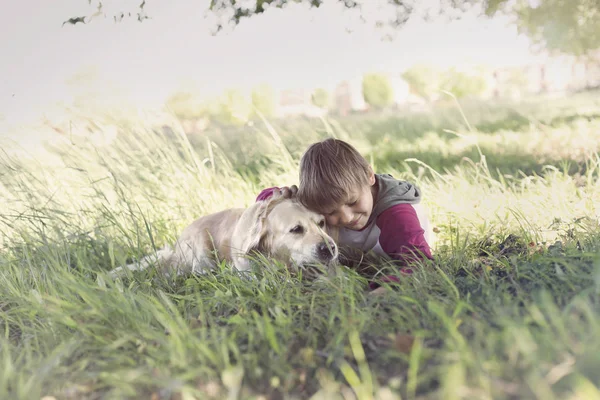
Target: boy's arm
x,y
402,237
266,193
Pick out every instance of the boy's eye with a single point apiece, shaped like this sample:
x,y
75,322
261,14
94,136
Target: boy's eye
x,y
298,229
353,203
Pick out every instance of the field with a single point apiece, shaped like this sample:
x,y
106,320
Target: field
x,y
509,308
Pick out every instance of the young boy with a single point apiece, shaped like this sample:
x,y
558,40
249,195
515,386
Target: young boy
x,y
373,212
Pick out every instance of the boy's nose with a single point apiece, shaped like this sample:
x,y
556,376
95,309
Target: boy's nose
x,y
345,216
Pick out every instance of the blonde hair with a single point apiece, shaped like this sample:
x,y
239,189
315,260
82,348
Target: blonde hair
x,y
329,171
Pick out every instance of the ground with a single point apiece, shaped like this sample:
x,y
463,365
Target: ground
x,y
508,309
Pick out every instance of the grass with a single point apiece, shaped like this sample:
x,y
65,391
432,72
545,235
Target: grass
x,y
508,309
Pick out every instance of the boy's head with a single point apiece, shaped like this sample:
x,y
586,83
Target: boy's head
x,y
336,181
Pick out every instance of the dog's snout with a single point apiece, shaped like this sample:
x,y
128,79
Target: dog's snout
x,y
326,250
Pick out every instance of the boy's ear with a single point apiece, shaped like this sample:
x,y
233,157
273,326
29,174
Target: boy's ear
x,y
371,176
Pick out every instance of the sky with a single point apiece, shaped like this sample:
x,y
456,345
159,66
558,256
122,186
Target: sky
x,y
291,48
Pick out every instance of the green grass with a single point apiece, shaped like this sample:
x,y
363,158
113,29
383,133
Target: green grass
x,y
508,309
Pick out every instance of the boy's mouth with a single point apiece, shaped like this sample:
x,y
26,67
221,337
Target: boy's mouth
x,y
355,222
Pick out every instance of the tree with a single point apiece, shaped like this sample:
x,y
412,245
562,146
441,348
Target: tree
x,y
567,26
138,12
462,84
320,98
424,81
264,100
428,82
234,108
230,13
187,105
571,27
563,26
377,91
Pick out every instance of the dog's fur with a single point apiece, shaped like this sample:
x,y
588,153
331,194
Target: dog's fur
x,y
279,228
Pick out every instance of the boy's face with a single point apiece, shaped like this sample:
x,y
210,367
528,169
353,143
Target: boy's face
x,y
354,213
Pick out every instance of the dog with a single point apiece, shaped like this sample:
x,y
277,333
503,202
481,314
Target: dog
x,y
279,228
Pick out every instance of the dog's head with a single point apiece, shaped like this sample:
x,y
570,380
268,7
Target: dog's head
x,y
285,230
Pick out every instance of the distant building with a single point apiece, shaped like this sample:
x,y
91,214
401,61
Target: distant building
x,y
298,102
556,74
401,90
348,96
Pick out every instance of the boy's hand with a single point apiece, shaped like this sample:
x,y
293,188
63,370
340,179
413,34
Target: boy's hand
x,y
288,191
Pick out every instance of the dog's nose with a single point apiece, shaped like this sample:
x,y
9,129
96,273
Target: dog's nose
x,y
326,250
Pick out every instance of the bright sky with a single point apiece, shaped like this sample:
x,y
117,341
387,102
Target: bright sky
x,y
146,61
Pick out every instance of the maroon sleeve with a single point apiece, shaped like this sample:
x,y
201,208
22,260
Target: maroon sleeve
x,y
402,236
266,193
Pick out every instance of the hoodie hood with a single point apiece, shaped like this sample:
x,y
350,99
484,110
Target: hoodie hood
x,y
391,191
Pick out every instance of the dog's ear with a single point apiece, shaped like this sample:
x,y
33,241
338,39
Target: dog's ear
x,y
249,232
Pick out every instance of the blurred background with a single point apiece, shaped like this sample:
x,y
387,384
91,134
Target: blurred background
x,y
225,67
222,97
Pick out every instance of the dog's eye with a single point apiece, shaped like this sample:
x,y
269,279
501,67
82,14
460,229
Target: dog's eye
x,y
322,223
298,229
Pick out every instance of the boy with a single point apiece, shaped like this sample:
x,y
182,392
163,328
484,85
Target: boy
x,y
373,212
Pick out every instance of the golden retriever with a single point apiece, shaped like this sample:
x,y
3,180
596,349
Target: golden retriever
x,y
279,228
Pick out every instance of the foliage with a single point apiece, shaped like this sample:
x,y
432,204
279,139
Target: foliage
x,y
377,90
565,26
187,105
232,12
514,84
229,13
424,80
233,107
463,84
264,100
321,98
571,27
428,81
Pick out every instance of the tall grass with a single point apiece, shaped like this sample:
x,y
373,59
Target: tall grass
x,y
508,309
